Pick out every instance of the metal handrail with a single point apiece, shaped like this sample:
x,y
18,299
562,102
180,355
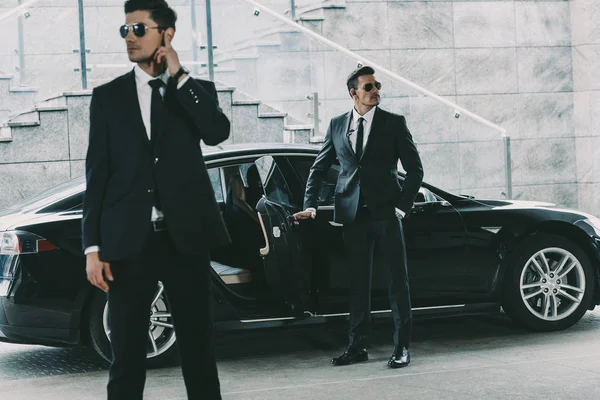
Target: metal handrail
x,y
376,66
17,9
458,110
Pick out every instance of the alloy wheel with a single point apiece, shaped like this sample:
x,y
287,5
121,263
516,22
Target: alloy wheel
x,y
161,332
552,284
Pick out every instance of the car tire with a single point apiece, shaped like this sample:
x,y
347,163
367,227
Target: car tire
x,y
99,340
548,296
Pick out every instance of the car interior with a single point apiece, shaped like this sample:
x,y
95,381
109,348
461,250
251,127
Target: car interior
x,y
238,189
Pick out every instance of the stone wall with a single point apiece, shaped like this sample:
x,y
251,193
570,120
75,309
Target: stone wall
x,y
585,17
509,61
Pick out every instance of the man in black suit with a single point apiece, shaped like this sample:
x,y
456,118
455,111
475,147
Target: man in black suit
x,y
149,211
369,201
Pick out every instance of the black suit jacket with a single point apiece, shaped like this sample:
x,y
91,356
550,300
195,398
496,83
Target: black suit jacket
x,y
122,167
375,175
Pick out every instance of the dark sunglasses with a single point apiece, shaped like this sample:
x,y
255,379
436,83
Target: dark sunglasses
x,y
369,86
138,29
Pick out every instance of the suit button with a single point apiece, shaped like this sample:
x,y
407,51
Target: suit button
x,y
150,190
156,160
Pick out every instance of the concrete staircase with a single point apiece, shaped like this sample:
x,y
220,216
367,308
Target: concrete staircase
x,y
283,67
14,98
46,144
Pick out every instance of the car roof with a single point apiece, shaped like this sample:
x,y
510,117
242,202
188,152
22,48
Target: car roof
x,y
224,151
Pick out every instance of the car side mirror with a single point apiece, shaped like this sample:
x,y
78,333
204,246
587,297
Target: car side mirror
x,y
420,198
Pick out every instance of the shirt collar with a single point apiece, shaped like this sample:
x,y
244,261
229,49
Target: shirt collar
x,y
142,77
368,117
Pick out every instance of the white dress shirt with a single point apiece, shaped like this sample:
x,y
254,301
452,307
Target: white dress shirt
x,y
353,133
144,93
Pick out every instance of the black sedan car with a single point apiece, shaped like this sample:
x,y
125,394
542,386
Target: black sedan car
x,y
537,261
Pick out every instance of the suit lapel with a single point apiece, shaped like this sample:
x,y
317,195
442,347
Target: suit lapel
x,y
375,128
131,103
343,132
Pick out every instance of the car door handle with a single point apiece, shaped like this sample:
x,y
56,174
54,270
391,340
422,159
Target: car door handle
x,y
264,251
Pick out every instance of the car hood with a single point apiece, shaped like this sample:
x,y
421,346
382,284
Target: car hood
x,y
517,203
531,205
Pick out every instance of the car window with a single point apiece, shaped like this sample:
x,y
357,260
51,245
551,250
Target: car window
x,y
215,179
48,197
302,167
71,204
274,185
327,192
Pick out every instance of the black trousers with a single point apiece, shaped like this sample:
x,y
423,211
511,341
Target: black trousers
x,y
361,239
186,280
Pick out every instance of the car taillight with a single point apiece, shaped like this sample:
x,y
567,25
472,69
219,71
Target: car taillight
x,y
19,242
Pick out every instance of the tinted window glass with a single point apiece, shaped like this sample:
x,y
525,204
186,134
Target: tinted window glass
x,y
215,179
302,167
275,186
48,197
73,203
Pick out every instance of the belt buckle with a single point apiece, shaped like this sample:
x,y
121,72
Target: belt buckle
x,y
159,225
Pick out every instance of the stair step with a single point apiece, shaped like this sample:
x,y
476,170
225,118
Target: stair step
x,y
5,134
309,18
225,89
29,117
334,4
51,108
22,89
23,123
298,127
264,33
272,115
246,102
76,93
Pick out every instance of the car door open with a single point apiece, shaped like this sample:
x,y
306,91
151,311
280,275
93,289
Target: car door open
x,y
287,260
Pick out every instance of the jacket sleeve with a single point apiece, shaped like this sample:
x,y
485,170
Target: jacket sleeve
x,y
200,103
97,173
319,170
411,162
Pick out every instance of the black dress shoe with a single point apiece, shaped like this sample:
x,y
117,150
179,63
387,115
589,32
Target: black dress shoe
x,y
350,356
400,358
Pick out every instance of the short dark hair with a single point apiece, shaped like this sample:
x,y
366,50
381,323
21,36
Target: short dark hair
x,y
352,81
159,10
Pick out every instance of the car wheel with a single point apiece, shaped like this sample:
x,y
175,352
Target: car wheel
x,y
162,348
549,284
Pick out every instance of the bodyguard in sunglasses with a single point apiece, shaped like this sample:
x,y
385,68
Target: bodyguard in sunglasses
x,y
149,210
369,202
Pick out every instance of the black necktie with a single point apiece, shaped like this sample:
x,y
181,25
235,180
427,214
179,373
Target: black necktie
x,y
156,111
156,107
359,138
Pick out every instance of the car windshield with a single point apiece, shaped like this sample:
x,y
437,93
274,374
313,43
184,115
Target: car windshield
x,y
47,197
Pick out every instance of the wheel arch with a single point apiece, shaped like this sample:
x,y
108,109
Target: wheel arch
x,y
84,326
510,239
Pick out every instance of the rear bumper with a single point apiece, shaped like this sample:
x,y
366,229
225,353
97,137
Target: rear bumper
x,y
15,326
41,336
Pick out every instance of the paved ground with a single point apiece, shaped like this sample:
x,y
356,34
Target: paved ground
x,y
456,358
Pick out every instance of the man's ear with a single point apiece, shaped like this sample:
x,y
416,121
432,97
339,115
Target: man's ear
x,y
352,92
170,32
